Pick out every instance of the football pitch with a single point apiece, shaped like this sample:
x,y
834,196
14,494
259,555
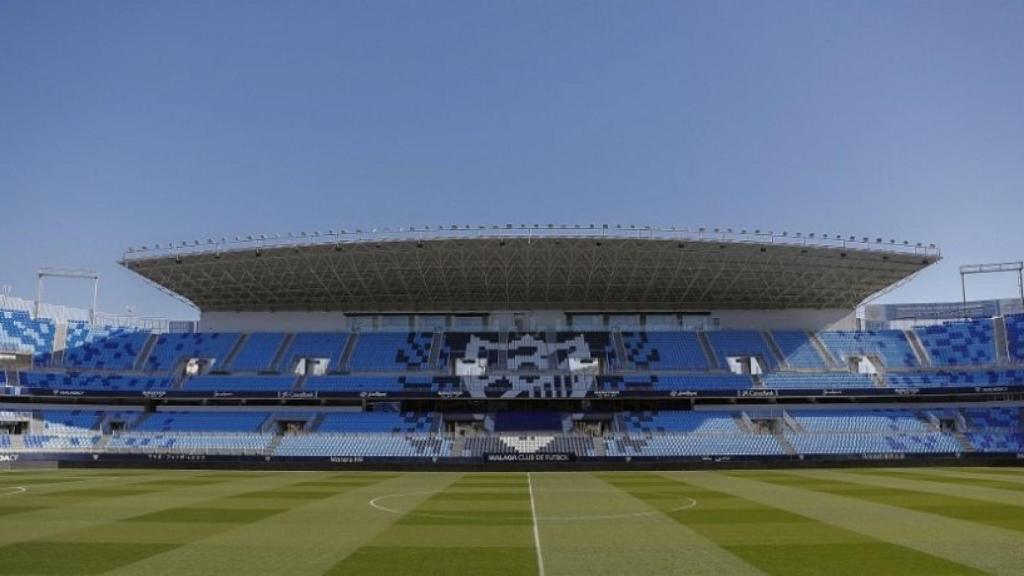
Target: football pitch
x,y
864,521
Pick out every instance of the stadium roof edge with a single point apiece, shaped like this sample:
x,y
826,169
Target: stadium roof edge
x,y
330,237
523,268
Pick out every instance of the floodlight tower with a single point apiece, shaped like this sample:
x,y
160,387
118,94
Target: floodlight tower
x,y
998,268
66,273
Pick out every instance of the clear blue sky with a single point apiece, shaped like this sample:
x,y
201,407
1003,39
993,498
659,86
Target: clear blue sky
x,y
129,123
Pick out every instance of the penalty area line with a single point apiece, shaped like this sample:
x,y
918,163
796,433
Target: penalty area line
x,y
536,530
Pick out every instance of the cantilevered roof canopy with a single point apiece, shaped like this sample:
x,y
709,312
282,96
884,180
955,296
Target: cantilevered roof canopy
x,y
504,268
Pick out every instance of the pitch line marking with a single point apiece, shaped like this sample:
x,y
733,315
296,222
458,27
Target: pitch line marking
x,y
12,490
376,503
536,531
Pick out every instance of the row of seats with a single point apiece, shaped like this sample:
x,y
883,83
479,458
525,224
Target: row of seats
x,y
360,446
725,382
191,442
108,348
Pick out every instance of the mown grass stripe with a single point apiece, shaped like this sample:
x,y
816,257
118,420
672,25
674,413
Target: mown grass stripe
x,y
981,505
453,531
779,541
983,547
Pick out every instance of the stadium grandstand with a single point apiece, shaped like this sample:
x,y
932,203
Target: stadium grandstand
x,y
477,347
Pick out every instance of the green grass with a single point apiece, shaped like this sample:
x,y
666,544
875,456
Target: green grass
x,y
849,522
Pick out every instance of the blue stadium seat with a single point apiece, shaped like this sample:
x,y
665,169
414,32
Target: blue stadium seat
x,y
734,343
891,346
665,350
171,349
257,354
959,344
102,347
391,351
797,349
328,345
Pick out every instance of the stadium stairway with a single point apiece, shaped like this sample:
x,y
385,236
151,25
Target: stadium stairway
x,y
147,349
101,444
240,343
822,350
274,443
458,445
788,448
709,352
17,442
286,344
502,351
999,338
347,351
774,347
436,343
915,344
620,348
317,421
600,447
963,442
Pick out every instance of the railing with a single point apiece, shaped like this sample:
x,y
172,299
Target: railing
x,y
412,233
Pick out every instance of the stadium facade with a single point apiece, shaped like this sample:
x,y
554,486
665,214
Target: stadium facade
x,y
483,347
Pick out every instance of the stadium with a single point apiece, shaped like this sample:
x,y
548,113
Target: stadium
x,y
514,390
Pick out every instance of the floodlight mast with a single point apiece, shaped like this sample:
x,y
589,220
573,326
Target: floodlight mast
x,y
67,273
997,268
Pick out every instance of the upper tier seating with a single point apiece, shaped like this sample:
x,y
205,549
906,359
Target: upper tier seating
x,y
380,422
527,352
664,350
328,345
20,333
459,345
391,351
202,422
597,345
1015,336
257,354
94,382
171,349
798,350
823,380
241,383
739,343
889,345
102,347
680,421
639,382
959,344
